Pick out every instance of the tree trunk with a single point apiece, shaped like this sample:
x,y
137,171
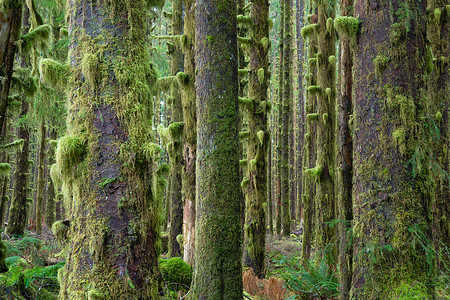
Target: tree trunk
x,y
255,187
40,178
187,80
345,161
218,252
10,26
392,184
175,148
108,161
50,211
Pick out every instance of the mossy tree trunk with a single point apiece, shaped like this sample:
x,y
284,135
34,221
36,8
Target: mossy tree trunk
x,y
188,100
255,181
50,204
40,169
19,204
10,26
175,147
438,15
218,252
286,100
300,110
392,185
344,162
309,138
18,211
108,161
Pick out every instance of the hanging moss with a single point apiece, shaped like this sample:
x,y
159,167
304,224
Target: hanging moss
x,y
36,39
312,117
347,27
244,20
60,230
261,76
183,78
70,152
5,169
246,102
316,171
314,89
90,68
13,146
54,73
380,63
309,30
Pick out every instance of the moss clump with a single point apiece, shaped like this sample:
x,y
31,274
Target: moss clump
x,y
176,130
5,169
316,171
312,117
54,73
380,63
244,20
332,59
163,170
309,30
106,181
347,27
70,152
260,135
314,90
399,139
265,43
90,68
60,230
246,102
261,76
37,38
94,294
176,273
14,146
183,78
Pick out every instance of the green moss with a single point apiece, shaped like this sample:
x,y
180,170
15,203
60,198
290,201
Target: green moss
x,y
314,90
260,135
60,230
265,43
261,76
243,163
244,183
312,62
54,73
243,72
316,171
17,145
325,118
380,63
163,170
70,152
152,151
309,30
105,182
244,20
94,294
347,27
90,68
63,32
332,60
246,103
399,139
438,117
176,271
183,78
176,130
397,33
312,117
243,135
36,39
437,15
330,25
5,169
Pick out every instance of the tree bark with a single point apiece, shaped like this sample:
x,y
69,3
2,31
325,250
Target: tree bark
x,y
218,252
392,185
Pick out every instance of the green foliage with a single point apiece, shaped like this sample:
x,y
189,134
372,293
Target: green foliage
x,y
106,181
314,280
176,273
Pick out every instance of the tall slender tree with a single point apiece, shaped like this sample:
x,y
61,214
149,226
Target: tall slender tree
x,y
218,271
392,184
257,106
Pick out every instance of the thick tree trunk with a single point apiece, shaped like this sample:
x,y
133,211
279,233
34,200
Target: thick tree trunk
x,y
108,160
218,252
190,132
10,26
255,187
392,184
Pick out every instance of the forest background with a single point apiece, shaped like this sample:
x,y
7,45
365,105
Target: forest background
x,y
212,132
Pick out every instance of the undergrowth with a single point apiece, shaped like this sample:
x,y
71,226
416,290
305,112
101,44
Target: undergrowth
x,y
28,275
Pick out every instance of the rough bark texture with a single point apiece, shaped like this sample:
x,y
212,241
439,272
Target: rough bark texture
x,y
255,180
108,161
438,14
10,25
326,105
309,138
19,204
40,178
345,161
50,204
190,132
175,147
285,119
218,252
392,186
